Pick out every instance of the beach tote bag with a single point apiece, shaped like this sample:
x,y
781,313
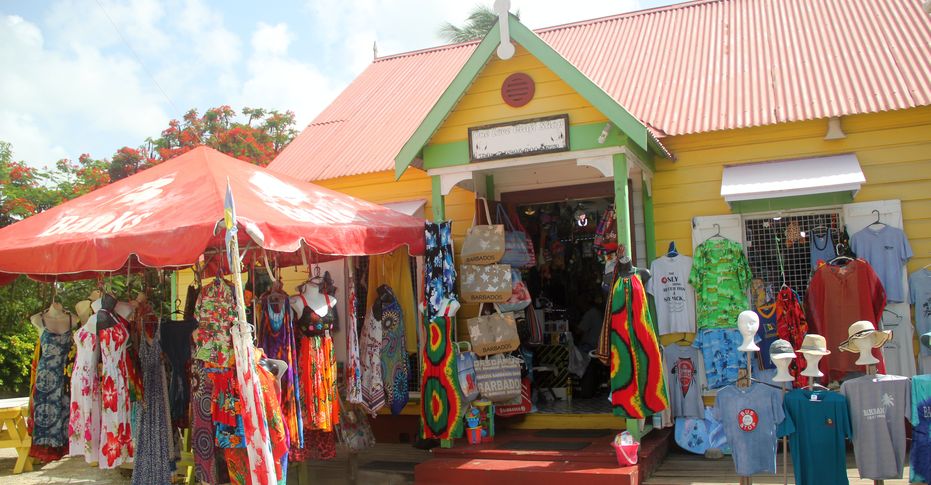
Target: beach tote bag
x,y
516,252
465,361
493,334
490,283
520,405
520,295
484,243
498,378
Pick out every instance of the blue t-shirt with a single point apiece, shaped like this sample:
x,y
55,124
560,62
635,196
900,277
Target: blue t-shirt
x,y
919,288
766,334
722,359
822,247
750,417
921,429
817,430
886,250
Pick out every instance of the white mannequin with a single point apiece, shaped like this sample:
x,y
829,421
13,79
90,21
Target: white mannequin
x,y
782,370
748,322
811,368
122,308
55,319
83,308
316,300
866,351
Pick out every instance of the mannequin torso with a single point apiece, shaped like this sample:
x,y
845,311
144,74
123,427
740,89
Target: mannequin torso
x,y
55,319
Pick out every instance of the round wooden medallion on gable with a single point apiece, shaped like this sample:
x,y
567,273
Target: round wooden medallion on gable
x,y
517,90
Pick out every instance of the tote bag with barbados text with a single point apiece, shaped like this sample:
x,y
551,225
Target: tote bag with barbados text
x,y
484,243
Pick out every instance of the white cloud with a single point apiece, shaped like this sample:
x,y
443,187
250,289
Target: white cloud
x,y
276,80
91,24
67,97
207,35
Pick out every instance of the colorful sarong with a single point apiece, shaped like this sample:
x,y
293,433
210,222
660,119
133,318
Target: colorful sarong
x,y
638,386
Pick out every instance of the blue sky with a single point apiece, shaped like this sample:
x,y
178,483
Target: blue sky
x,y
73,83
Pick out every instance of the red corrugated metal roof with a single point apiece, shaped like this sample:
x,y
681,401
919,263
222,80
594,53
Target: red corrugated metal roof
x,y
695,67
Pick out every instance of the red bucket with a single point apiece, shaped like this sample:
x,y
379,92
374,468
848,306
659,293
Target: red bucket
x,y
626,449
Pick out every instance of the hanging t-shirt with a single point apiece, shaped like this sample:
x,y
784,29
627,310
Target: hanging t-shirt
x,y
767,333
899,351
750,417
683,379
817,423
674,296
887,250
720,275
722,359
878,407
822,247
919,288
921,429
838,296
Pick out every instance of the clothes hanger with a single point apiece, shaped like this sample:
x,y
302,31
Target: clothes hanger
x,y
887,310
671,252
840,259
754,379
177,310
717,233
877,221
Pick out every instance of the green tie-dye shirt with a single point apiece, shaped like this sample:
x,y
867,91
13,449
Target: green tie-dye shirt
x,y
720,275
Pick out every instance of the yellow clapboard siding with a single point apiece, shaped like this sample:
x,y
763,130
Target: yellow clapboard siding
x,y
482,103
894,150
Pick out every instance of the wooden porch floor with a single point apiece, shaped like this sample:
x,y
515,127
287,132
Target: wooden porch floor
x,y
682,468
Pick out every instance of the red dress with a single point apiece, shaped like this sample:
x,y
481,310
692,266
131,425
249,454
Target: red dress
x,y
837,297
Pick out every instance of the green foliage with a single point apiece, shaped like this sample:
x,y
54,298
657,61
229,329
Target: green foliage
x,y
16,349
479,22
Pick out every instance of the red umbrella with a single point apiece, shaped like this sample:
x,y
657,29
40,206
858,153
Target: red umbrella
x,y
166,216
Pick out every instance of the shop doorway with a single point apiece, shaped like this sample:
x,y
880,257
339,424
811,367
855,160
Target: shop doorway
x,y
569,290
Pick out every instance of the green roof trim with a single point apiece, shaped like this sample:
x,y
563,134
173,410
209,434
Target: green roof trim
x,y
630,126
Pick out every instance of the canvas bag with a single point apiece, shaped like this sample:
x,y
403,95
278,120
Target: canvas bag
x,y
520,405
484,243
498,378
465,360
490,283
518,248
520,295
493,334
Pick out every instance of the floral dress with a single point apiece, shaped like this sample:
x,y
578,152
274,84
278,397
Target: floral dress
x,y
116,445
50,401
394,362
277,339
84,424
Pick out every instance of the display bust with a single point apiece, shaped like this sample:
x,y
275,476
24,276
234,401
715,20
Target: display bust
x,y
748,322
862,338
782,354
814,347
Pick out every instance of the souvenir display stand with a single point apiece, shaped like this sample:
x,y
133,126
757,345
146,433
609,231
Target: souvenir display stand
x,y
206,210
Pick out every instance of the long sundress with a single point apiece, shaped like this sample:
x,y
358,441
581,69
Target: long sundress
x,y
50,399
373,387
638,385
116,445
394,361
84,424
353,358
277,339
237,458
153,457
441,404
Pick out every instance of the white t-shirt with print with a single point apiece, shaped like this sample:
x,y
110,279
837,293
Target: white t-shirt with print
x,y
674,296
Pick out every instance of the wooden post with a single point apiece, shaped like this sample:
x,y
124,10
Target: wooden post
x,y
622,202
649,226
437,201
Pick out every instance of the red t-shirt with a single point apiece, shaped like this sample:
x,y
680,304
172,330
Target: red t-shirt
x,y
837,297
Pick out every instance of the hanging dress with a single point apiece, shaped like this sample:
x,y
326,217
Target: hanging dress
x,y
394,361
318,381
441,404
176,339
50,399
116,445
638,386
353,358
152,465
791,325
277,340
84,423
237,458
373,387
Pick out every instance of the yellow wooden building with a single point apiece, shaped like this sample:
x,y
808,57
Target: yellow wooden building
x,y
711,115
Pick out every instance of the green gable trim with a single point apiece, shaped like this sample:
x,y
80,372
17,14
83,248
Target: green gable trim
x,y
581,137
447,101
796,202
630,126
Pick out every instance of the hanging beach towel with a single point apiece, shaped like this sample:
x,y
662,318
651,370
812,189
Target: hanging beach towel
x,y
520,295
465,362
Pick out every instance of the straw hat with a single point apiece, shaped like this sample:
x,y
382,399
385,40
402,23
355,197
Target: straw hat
x,y
864,332
781,349
84,310
814,344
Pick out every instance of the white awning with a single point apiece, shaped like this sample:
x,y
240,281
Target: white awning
x,y
410,207
806,176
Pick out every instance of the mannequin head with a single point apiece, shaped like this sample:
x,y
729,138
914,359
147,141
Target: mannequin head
x,y
748,323
862,338
782,355
814,347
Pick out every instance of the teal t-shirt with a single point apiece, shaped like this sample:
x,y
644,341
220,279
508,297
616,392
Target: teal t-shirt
x,y
817,423
921,431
